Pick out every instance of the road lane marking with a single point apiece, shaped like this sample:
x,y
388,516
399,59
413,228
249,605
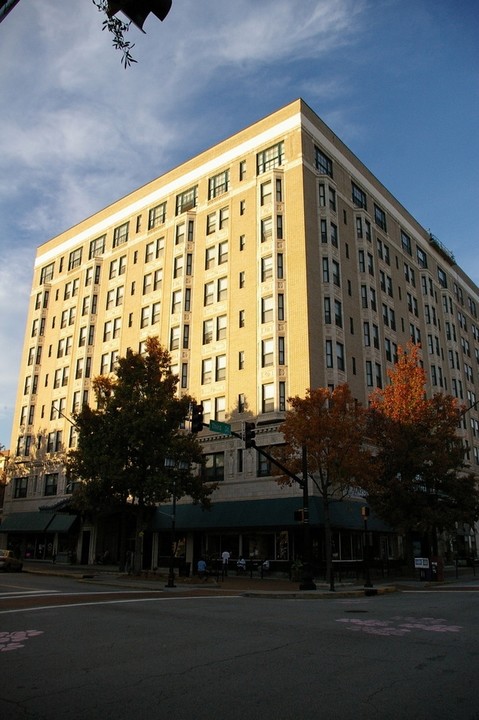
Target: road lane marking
x,y
118,602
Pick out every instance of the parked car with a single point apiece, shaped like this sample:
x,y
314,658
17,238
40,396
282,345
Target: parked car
x,y
9,563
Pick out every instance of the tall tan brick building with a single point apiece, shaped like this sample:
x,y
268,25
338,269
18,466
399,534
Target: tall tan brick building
x,y
270,263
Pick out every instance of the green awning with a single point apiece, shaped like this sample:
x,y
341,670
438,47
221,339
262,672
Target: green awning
x,y
271,513
37,522
61,523
34,522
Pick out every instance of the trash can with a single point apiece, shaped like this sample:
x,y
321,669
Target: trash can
x,y
437,569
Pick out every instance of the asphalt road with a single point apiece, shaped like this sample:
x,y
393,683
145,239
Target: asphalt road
x,y
82,651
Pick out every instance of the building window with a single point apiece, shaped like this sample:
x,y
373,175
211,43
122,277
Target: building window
x,y
329,354
178,263
279,190
279,227
332,199
406,243
210,257
207,332
421,258
184,375
267,309
369,373
214,467
242,169
46,274
155,316
241,403
325,264
20,487
324,230
174,338
270,158
209,293
338,313
222,289
241,360
279,266
282,396
265,193
157,216
241,318
223,252
281,351
359,197
266,268
120,234
74,260
218,184
51,484
221,325
324,164
186,200
97,247
263,468
206,371
220,371
334,235
266,229
180,234
267,352
224,216
327,310
267,399
336,274
380,218
442,277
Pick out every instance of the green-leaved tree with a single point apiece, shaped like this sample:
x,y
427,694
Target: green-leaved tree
x,y
123,443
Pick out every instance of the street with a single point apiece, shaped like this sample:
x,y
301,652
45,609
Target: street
x,y
85,651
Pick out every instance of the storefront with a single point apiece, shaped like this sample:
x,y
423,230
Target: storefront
x,y
40,535
264,530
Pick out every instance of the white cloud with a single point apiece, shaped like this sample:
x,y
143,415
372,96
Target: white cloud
x,y
15,282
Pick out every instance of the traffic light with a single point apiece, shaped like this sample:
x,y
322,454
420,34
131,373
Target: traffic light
x,y
249,435
196,418
138,10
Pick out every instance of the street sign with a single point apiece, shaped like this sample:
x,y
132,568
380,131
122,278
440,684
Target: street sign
x,y
220,427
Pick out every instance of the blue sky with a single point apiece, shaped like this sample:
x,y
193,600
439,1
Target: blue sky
x,y
397,80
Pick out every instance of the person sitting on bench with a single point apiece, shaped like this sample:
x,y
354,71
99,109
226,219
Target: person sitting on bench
x,y
241,565
202,570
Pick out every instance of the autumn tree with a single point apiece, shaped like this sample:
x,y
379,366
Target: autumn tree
x,y
331,425
420,484
123,442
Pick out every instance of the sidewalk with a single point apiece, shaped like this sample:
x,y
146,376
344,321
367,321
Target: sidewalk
x,y
244,585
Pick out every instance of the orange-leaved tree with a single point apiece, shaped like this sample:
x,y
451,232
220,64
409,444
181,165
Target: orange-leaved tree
x,y
331,425
420,484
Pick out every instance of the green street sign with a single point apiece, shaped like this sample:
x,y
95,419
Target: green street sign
x,y
220,427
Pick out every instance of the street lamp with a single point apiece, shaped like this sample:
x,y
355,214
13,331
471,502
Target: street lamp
x,y
367,576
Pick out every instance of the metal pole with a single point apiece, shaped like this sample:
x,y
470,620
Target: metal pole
x,y
171,572
307,582
367,576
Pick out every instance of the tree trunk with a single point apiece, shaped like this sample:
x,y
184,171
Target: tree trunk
x,y
138,552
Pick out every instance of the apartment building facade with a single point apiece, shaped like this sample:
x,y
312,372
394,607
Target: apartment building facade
x,y
270,263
